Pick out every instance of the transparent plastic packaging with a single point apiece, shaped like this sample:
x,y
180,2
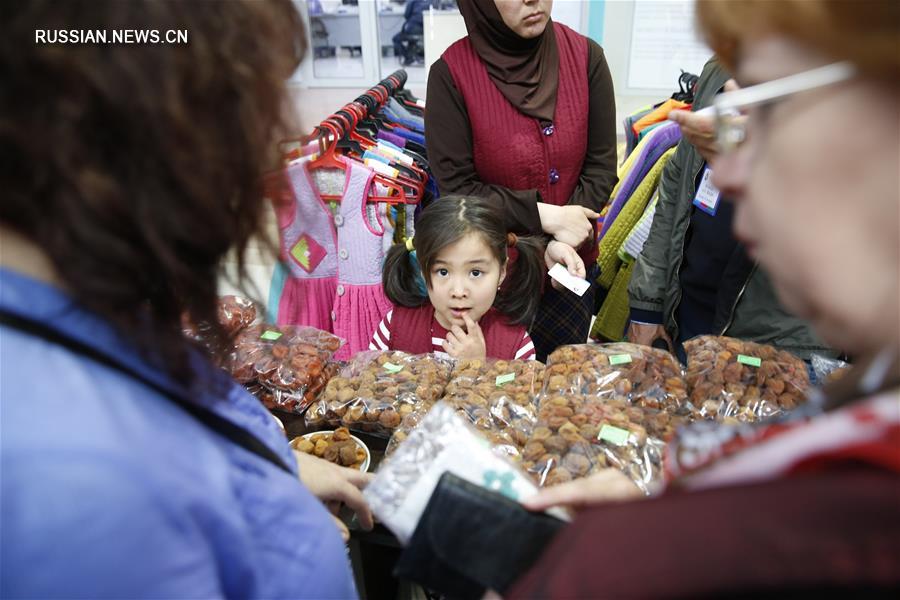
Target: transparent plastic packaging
x,y
234,313
733,380
376,390
644,376
497,397
828,369
285,367
577,435
442,442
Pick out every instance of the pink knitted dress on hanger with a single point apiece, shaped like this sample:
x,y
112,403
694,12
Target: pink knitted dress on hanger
x,y
360,301
334,262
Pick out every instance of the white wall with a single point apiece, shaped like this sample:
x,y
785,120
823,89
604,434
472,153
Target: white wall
x,y
618,25
569,12
441,30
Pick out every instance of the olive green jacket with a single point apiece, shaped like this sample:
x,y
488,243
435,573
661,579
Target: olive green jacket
x,y
747,307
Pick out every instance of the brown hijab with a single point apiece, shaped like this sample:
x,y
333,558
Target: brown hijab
x,y
525,71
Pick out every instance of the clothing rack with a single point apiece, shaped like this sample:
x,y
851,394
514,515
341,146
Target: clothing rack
x,y
368,103
347,193
357,130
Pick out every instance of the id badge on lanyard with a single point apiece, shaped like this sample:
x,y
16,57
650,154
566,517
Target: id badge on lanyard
x,y
707,198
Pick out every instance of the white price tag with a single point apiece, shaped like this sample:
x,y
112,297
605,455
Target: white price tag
x,y
574,284
391,153
380,167
707,198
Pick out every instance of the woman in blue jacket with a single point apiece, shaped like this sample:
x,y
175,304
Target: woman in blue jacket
x,y
133,467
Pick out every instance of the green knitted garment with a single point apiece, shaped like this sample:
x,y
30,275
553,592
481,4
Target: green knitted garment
x,y
614,276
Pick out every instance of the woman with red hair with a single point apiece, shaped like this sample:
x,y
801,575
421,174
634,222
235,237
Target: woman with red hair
x,y
808,504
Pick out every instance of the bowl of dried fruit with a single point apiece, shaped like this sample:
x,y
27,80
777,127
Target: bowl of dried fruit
x,y
338,446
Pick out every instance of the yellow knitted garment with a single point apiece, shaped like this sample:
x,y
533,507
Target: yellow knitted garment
x,y
627,219
613,315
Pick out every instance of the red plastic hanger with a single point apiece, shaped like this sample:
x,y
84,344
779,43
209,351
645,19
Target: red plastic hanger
x,y
328,158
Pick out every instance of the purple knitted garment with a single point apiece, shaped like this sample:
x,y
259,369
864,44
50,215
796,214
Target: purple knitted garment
x,y
392,138
659,141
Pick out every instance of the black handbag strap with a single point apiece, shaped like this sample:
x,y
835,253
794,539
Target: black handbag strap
x,y
224,427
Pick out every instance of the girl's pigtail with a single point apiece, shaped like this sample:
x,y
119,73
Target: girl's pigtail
x,y
520,293
402,277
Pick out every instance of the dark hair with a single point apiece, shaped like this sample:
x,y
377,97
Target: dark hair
x,y
136,167
445,222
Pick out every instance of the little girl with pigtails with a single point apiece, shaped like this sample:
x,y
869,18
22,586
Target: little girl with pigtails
x,y
454,289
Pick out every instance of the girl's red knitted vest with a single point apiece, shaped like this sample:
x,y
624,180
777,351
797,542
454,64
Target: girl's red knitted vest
x,y
411,332
517,151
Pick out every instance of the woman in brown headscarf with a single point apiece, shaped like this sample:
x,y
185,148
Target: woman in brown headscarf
x,y
522,111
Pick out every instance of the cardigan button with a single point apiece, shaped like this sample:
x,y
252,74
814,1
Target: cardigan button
x,y
343,253
549,129
340,290
554,175
338,220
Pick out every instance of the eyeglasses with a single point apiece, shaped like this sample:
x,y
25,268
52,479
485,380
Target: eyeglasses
x,y
731,124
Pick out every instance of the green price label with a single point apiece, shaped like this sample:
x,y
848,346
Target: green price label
x,y
270,335
503,379
749,360
392,368
613,435
620,359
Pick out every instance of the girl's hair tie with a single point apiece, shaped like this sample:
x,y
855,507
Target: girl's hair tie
x,y
511,239
409,245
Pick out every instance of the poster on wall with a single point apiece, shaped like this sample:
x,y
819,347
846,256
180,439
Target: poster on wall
x,y
663,42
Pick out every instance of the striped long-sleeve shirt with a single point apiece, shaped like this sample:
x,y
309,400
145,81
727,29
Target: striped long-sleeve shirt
x,y
381,339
